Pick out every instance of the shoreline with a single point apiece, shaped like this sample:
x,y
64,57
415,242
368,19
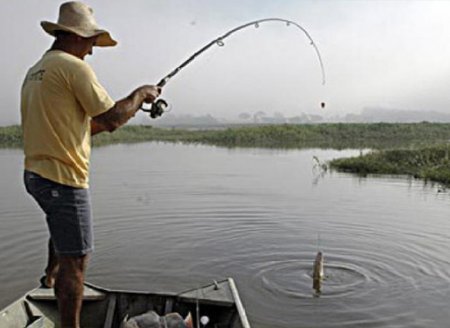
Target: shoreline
x,y
420,150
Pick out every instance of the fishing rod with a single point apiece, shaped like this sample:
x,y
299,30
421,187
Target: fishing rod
x,y
160,105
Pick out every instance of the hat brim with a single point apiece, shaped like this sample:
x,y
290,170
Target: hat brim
x,y
104,38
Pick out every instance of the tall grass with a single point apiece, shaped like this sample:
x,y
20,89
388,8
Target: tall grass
x,y
338,135
403,148
11,137
429,163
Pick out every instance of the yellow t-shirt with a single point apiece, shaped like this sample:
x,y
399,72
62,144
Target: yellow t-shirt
x,y
59,96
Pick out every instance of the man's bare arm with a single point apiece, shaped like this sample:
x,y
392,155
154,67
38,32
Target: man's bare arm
x,y
124,109
96,128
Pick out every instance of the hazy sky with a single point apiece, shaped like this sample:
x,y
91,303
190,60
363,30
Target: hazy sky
x,y
393,54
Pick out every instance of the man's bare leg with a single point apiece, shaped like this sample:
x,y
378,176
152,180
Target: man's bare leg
x,y
52,266
69,289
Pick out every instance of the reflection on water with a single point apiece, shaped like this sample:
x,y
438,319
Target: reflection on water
x,y
172,217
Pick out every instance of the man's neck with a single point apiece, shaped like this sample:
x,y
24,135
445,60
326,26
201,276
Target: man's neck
x,y
69,48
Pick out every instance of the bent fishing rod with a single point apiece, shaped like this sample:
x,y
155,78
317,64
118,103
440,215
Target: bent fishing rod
x,y
157,108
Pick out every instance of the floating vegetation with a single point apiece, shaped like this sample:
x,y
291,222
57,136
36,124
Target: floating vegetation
x,y
11,136
429,163
420,150
329,135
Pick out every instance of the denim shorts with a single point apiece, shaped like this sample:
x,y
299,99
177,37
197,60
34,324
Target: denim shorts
x,y
68,213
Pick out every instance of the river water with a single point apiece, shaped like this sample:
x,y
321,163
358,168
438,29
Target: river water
x,y
171,217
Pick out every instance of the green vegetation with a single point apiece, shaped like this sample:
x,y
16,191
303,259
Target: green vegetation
x,y
11,137
430,163
401,148
332,135
337,136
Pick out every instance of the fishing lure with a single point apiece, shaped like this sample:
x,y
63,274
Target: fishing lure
x,y
160,105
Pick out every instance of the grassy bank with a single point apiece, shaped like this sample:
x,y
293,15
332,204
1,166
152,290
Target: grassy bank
x,y
337,136
429,163
10,136
403,148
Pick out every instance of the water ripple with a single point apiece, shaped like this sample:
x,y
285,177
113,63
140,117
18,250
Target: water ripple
x,y
166,224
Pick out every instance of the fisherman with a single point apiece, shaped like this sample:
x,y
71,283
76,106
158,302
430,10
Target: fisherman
x,y
62,105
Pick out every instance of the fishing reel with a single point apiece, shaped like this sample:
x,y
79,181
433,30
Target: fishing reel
x,y
157,108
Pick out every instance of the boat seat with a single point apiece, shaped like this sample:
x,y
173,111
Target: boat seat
x,y
48,294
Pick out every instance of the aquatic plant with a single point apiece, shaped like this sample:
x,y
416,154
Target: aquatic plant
x,y
329,135
11,136
428,163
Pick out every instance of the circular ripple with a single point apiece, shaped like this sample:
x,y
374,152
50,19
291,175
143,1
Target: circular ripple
x,y
293,279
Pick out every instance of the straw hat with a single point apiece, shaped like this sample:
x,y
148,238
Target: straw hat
x,y
78,18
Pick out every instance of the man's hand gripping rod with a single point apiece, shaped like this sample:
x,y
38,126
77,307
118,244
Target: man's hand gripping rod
x,y
157,108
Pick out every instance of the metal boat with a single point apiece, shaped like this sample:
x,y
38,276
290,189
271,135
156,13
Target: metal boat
x,y
105,308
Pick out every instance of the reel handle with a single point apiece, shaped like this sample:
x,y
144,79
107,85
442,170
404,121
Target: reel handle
x,y
157,108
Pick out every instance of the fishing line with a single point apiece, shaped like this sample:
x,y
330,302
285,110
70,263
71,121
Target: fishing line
x,y
160,105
